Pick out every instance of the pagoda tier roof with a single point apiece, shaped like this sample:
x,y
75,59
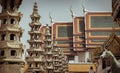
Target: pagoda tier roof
x,y
35,24
12,60
48,40
35,41
55,50
57,71
55,60
49,53
34,59
11,44
48,46
33,69
34,32
10,27
49,68
11,14
35,50
56,65
55,55
49,60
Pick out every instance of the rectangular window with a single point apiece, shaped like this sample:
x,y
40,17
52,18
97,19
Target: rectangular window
x,y
65,31
102,22
81,26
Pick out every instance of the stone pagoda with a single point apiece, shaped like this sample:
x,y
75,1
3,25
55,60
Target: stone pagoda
x,y
11,49
63,61
48,51
56,60
35,59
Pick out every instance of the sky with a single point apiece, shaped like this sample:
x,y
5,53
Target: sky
x,y
60,11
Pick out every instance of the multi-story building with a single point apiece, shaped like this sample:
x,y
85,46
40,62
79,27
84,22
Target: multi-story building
x,y
79,39
98,28
11,48
35,60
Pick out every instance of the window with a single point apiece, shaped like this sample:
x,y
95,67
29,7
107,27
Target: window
x,y
3,37
4,21
36,64
12,36
37,54
31,54
13,53
30,65
2,53
12,21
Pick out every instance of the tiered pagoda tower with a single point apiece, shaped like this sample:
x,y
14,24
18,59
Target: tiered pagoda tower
x,y
11,49
63,62
56,60
48,50
35,59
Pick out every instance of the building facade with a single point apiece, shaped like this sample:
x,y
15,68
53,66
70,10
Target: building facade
x,y
11,48
79,38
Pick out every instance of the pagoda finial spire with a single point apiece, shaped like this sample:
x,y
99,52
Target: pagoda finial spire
x,y
35,11
51,20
